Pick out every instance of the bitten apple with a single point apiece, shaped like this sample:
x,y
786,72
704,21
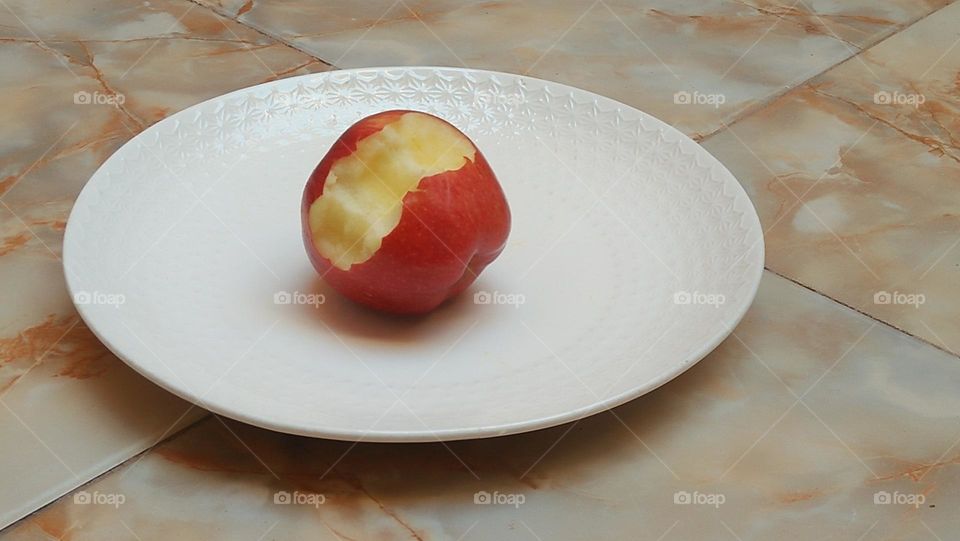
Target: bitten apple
x,y
403,212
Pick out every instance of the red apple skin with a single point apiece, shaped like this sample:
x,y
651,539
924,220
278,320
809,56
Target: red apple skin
x,y
452,226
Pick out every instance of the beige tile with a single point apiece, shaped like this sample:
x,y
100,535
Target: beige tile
x,y
871,150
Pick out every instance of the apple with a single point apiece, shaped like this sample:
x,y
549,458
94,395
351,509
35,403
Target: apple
x,y
403,213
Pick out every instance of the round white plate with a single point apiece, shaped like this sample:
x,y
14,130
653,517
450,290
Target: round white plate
x,y
633,254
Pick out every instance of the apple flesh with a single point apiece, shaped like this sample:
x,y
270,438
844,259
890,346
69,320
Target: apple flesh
x,y
403,213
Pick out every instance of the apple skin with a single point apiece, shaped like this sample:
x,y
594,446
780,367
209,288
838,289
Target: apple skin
x,y
452,226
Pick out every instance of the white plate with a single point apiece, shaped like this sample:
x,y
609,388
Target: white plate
x,y
633,254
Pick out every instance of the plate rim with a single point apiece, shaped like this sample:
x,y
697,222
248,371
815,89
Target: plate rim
x,y
426,435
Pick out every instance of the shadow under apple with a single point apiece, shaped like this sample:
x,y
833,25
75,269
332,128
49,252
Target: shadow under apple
x,y
340,315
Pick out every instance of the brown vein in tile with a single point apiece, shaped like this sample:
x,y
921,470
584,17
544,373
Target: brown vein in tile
x,y
410,16
865,314
793,11
82,146
8,183
719,23
248,49
796,497
791,14
130,40
283,73
40,43
760,105
65,342
388,512
934,144
89,62
225,15
245,8
35,340
340,535
917,471
15,242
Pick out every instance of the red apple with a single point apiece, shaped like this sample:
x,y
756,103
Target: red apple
x,y
403,212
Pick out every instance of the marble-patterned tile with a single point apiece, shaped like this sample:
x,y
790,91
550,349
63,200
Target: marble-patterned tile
x,y
125,20
231,8
68,409
873,153
78,81
154,87
803,425
693,64
858,23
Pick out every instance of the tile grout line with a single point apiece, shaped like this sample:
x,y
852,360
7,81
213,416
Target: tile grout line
x,y
277,38
10,527
769,100
861,312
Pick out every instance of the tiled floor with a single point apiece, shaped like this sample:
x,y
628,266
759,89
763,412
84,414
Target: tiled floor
x,y
859,198
638,54
774,421
838,390
71,410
